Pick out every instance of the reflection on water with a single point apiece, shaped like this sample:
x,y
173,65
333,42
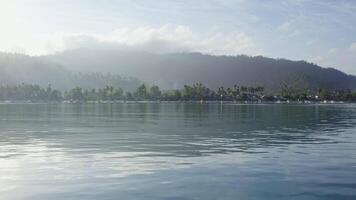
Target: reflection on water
x,y
177,151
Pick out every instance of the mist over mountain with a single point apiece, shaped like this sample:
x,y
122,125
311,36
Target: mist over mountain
x,y
175,70
18,68
89,68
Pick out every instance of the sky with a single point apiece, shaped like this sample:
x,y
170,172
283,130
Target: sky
x,y
318,31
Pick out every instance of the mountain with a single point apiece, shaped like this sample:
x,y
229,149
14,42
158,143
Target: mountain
x,y
18,68
90,68
175,70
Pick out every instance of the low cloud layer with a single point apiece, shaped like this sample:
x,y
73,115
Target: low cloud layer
x,y
292,29
343,59
175,38
165,39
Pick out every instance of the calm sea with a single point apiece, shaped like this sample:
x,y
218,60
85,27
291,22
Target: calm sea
x,y
177,151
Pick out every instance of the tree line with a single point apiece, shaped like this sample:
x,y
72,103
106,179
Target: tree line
x,y
194,92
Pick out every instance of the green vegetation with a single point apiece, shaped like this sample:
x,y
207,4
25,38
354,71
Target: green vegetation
x,y
32,93
195,92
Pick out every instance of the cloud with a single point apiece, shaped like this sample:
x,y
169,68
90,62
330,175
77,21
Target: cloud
x,y
343,59
312,42
333,51
291,28
285,26
353,47
164,39
297,2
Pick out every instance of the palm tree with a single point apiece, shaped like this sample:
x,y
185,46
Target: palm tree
x,y
243,89
221,92
141,92
155,92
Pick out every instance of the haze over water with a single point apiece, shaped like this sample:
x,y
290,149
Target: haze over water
x,y
177,151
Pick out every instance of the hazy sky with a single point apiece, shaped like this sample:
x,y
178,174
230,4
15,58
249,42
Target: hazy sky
x,y
321,31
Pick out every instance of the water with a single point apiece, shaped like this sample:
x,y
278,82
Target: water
x,y
177,151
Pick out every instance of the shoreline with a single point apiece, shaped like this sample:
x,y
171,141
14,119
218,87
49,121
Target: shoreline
x,y
185,102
